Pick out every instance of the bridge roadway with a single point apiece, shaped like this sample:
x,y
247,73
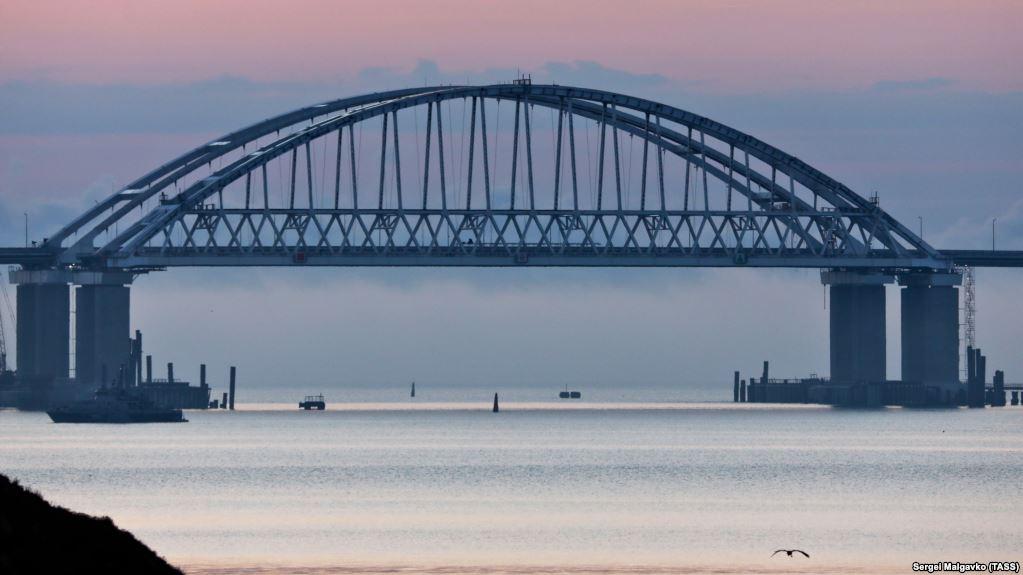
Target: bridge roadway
x,y
985,258
42,257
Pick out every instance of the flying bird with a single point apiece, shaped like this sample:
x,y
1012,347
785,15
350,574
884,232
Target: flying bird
x,y
789,552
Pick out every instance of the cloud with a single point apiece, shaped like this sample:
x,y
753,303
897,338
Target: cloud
x,y
228,102
925,84
6,224
578,72
43,219
586,73
975,231
217,104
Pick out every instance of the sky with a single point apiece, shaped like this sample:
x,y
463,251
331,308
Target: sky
x,y
921,102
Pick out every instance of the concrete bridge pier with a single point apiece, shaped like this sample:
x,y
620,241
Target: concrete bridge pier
x,y
857,324
102,319
43,332
102,326
930,328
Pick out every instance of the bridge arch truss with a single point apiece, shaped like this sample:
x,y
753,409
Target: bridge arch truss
x,y
506,174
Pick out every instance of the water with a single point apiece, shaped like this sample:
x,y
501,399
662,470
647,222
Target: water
x,y
627,487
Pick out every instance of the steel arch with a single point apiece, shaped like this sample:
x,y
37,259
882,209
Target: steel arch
x,y
850,231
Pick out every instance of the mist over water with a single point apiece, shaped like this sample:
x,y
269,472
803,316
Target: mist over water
x,y
432,394
628,480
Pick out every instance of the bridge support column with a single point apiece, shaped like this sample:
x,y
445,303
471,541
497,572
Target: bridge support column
x,y
102,328
857,321
930,328
43,331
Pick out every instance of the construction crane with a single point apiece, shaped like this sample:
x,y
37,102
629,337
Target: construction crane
x,y
969,306
969,309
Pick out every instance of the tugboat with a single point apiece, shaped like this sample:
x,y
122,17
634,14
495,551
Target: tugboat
x,y
112,405
313,402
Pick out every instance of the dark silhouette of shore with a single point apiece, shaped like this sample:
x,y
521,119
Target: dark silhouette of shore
x,y
37,537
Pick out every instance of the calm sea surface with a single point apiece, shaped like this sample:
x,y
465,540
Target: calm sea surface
x,y
623,487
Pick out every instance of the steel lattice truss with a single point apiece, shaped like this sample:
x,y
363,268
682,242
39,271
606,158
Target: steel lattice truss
x,y
510,174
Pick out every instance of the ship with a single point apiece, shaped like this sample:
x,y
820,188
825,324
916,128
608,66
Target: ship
x,y
313,402
110,405
569,394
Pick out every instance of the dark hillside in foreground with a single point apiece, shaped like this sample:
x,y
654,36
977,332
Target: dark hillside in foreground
x,y
37,537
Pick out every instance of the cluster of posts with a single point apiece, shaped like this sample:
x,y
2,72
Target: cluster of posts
x,y
227,399
977,392
170,392
755,392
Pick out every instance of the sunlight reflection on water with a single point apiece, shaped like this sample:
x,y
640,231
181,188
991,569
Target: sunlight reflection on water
x,y
594,488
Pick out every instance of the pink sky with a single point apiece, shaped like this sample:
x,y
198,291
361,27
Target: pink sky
x,y
731,45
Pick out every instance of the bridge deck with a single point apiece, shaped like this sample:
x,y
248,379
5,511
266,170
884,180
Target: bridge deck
x,y
464,257
986,258
28,257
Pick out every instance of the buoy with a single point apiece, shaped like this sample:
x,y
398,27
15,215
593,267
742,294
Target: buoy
x,y
496,409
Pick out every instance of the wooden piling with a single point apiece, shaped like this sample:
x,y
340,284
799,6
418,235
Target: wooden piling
x,y
998,399
137,358
981,369
974,381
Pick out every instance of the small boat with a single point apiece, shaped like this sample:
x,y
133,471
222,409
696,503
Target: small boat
x,y
115,405
313,402
569,394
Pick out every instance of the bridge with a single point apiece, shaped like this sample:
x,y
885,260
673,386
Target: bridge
x,y
511,175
